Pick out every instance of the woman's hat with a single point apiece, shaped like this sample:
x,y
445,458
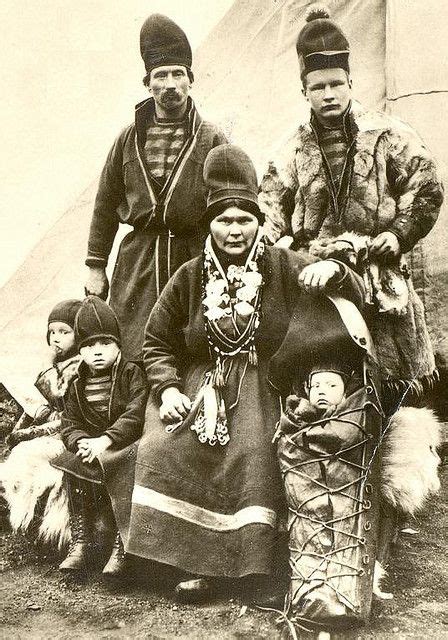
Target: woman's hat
x,y
95,319
64,311
321,44
162,43
230,175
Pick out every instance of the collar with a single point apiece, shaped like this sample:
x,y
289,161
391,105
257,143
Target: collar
x,y
347,124
145,112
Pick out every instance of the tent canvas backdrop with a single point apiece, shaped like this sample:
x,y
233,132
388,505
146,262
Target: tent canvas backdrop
x,y
247,80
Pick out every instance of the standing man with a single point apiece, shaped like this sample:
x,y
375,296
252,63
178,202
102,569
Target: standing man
x,y
152,180
351,170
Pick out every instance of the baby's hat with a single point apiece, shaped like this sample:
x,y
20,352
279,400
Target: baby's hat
x,y
344,369
95,319
64,311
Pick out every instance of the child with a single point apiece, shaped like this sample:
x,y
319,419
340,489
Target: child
x,y
104,410
27,476
52,383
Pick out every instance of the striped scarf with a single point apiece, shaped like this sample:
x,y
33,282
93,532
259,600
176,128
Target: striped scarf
x,y
164,141
97,392
335,146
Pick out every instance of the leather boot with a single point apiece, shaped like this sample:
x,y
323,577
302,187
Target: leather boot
x,y
116,564
78,551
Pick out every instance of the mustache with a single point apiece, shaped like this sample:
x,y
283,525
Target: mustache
x,y
170,93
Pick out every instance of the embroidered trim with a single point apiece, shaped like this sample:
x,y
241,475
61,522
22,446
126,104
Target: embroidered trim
x,y
203,517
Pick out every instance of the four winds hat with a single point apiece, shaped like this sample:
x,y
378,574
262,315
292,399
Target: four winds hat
x,y
162,43
321,44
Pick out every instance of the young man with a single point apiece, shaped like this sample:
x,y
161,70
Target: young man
x,y
351,170
153,181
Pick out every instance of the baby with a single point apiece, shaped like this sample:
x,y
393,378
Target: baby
x,y
325,390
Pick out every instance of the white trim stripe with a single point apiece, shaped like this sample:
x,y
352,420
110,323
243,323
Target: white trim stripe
x,y
203,517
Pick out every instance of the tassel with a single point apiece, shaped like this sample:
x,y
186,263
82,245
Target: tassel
x,y
253,357
218,374
210,411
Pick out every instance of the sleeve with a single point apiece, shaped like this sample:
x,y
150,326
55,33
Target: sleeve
x,y
277,198
413,177
164,349
110,194
349,285
72,424
128,427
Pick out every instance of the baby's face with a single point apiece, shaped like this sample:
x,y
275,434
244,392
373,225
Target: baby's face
x,y
326,388
61,338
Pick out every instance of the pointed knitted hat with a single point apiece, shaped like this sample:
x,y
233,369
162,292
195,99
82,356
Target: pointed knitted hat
x,y
162,43
321,44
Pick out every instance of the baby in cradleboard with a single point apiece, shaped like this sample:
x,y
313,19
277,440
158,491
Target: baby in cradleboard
x,y
325,437
32,487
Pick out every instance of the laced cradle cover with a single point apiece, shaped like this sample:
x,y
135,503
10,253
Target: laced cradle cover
x,y
330,474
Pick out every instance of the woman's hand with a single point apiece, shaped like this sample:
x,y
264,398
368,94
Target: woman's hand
x,y
175,405
315,277
91,448
385,245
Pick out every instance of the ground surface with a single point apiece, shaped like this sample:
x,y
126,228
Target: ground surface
x,y
37,602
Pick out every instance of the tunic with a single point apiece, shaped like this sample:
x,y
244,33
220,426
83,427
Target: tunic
x,y
166,218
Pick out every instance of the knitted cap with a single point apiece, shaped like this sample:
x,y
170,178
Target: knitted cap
x,y
229,174
95,319
321,44
162,43
64,311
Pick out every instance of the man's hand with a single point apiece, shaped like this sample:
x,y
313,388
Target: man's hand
x,y
315,277
385,245
175,405
91,448
97,283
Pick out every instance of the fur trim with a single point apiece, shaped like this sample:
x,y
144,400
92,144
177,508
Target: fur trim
x,y
27,475
409,459
379,574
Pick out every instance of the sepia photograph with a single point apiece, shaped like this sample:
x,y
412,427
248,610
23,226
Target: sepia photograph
x,y
224,320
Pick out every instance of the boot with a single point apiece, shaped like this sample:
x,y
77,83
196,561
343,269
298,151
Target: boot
x,y
78,551
78,556
116,564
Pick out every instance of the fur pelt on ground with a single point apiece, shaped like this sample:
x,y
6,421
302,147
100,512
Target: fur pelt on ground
x,y
409,459
28,478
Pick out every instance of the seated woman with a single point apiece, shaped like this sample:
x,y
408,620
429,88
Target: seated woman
x,y
207,487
